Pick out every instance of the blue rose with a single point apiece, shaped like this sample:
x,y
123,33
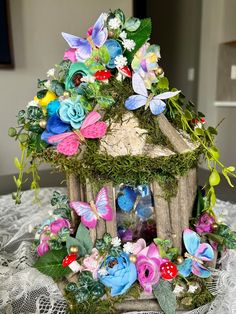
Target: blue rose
x,y
53,107
54,126
115,50
72,112
120,274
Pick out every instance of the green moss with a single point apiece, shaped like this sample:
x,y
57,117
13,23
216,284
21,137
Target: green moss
x,y
101,168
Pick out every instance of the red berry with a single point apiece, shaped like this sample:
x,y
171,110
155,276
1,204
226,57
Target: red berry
x,y
168,270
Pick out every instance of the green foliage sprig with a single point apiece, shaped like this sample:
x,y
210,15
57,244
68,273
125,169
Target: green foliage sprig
x,y
205,137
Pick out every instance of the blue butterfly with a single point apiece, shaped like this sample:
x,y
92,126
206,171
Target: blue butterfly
x,y
84,47
156,103
139,199
197,254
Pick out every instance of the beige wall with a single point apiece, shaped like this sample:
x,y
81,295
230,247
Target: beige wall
x,y
38,45
218,26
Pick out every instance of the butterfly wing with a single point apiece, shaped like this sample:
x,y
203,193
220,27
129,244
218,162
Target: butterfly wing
x,y
205,252
138,85
97,130
157,106
99,33
167,95
186,267
90,119
59,137
126,199
135,102
88,218
191,241
200,271
102,204
83,47
69,146
144,208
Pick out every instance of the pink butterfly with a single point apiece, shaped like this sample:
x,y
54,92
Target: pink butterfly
x,y
68,143
91,212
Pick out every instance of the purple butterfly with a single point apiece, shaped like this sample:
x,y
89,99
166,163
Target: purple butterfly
x,y
157,105
91,212
197,254
84,46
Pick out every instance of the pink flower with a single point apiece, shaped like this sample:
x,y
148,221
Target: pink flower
x,y
148,267
139,246
70,55
89,31
43,248
204,223
92,262
58,224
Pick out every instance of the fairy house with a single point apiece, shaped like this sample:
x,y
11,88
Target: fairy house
x,y
125,140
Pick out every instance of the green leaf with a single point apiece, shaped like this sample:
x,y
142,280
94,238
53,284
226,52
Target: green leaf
x,y
214,178
140,36
104,55
75,242
212,130
165,296
200,202
214,153
83,236
132,24
42,93
188,115
105,101
231,168
50,264
225,174
163,83
17,163
199,131
57,87
120,15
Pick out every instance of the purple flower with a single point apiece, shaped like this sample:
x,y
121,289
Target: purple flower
x,y
204,223
43,248
148,266
58,224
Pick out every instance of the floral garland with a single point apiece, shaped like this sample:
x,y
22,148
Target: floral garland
x,y
66,115
116,268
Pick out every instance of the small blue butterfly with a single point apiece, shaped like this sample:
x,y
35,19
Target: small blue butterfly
x,y
139,198
156,103
197,254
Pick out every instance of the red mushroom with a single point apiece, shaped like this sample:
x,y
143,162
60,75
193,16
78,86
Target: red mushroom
x,y
168,270
102,75
70,261
124,72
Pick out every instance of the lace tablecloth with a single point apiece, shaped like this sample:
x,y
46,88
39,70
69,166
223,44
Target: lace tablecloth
x,y
24,290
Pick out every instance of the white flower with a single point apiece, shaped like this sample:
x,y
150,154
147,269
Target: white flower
x,y
116,242
47,84
88,79
193,288
120,61
32,103
114,23
123,35
129,44
51,72
178,290
128,247
30,228
102,271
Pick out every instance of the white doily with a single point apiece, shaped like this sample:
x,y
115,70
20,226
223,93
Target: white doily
x,y
24,290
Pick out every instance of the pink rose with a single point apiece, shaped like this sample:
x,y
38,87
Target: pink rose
x,y
204,223
92,262
58,224
70,55
148,267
